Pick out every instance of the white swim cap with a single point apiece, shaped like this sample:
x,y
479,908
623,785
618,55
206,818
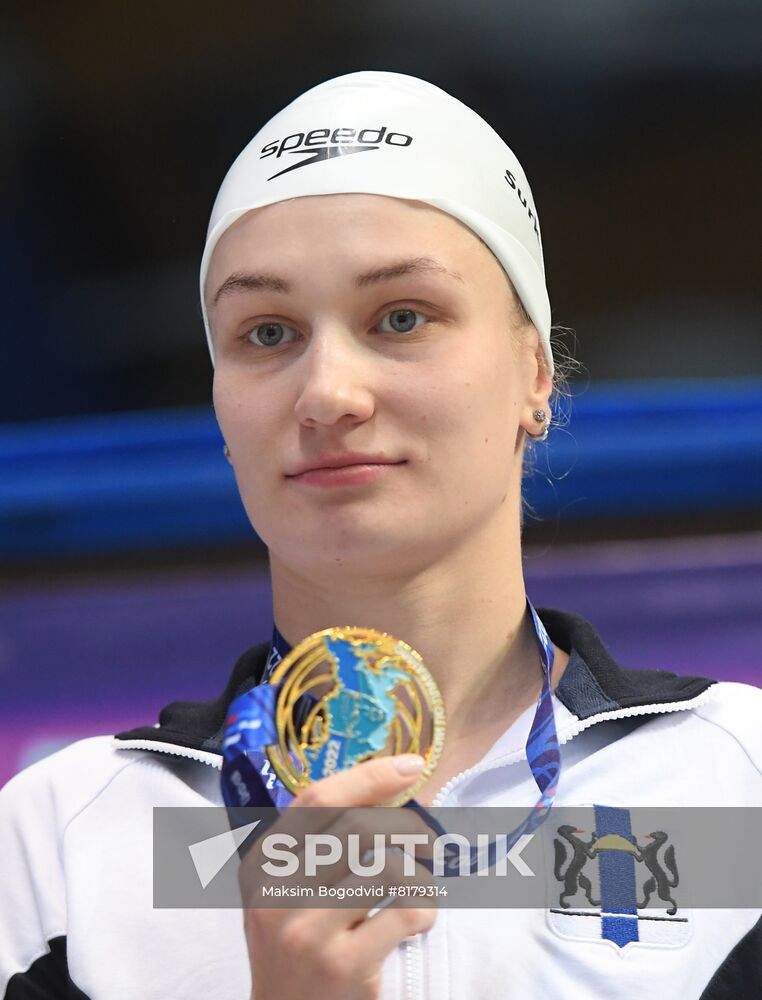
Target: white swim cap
x,y
394,135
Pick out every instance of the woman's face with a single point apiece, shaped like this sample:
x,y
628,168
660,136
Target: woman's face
x,y
379,335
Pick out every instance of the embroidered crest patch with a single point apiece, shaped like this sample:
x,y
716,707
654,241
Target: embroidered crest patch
x,y
616,886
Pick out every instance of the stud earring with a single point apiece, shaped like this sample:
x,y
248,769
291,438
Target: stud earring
x,y
226,453
542,418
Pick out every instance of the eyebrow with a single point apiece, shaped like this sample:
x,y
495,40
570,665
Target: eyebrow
x,y
248,281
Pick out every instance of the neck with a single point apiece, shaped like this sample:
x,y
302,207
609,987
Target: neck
x,y
465,614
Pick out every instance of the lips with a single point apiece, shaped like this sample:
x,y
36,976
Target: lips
x,y
339,461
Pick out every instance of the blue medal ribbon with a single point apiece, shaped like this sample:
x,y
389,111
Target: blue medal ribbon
x,y
248,780
247,777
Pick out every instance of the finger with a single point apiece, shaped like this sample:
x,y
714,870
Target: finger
x,y
372,783
289,831
367,837
362,786
360,882
369,892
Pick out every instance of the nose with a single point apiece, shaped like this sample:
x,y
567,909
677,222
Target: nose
x,y
334,385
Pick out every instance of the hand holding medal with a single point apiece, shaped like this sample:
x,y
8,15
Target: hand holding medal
x,y
340,697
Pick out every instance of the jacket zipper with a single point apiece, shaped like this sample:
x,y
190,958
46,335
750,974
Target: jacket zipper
x,y
413,966
155,746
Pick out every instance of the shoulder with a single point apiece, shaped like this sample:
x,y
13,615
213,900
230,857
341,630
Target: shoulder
x,y
61,785
734,712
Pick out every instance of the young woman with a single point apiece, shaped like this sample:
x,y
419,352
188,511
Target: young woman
x,y
375,303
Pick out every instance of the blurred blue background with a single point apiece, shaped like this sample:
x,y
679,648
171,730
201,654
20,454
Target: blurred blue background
x,y
129,574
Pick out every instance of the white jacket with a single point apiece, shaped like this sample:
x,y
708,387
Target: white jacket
x,y
76,915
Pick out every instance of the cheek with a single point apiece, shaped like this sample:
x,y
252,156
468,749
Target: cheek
x,y
475,404
233,405
222,396
245,420
242,414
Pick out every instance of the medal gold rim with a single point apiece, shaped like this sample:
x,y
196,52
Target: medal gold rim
x,y
393,647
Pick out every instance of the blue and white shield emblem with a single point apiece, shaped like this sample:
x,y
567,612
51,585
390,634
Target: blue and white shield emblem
x,y
616,887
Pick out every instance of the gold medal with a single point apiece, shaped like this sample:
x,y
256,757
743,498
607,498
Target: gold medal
x,y
346,695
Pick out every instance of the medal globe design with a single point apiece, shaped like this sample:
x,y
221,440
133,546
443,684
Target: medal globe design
x,y
347,695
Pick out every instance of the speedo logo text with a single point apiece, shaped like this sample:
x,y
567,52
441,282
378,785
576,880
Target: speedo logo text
x,y
325,143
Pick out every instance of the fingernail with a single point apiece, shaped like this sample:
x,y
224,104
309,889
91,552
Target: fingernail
x,y
409,763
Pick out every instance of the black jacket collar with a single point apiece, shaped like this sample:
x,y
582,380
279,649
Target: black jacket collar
x,y
593,683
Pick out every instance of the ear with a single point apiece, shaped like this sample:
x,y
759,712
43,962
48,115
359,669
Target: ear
x,y
539,386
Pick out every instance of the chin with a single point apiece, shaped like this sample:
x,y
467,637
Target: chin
x,y
368,554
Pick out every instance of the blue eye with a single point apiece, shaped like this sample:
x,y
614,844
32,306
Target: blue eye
x,y
401,320
272,334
